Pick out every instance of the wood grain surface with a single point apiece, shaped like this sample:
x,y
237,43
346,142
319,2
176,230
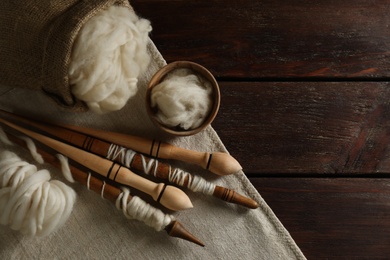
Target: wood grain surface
x,y
306,127
304,108
274,38
332,218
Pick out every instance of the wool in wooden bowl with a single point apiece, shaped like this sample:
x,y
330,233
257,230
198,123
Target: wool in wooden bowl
x,y
183,98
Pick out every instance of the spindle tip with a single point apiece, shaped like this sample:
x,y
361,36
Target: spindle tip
x,y
175,199
234,197
176,229
223,164
250,203
244,201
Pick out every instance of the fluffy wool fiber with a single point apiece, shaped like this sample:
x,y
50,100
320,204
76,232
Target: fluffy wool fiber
x,y
29,200
183,99
108,55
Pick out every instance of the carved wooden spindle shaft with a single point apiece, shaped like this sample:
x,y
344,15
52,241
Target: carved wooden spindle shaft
x,y
217,162
222,193
163,170
101,147
110,192
168,196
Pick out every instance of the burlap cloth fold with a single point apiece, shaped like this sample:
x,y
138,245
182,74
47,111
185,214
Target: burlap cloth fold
x,y
97,230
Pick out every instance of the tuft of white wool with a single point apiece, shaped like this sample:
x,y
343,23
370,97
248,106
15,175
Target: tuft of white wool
x,y
34,205
65,168
108,56
138,209
183,99
33,149
29,201
3,137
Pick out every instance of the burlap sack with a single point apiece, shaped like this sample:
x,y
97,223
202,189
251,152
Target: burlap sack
x,y
36,39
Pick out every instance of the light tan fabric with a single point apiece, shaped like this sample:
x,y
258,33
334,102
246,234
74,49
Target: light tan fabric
x,y
97,230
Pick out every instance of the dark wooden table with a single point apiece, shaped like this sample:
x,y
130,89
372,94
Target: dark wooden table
x,y
305,108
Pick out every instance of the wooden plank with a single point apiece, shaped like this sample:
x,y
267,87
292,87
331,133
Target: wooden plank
x,y
336,218
306,127
274,39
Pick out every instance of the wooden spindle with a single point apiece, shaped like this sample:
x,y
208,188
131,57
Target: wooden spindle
x,y
168,196
110,192
217,162
101,147
163,171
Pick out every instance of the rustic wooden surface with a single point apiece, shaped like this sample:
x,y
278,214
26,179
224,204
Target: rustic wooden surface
x,y
333,218
274,38
305,108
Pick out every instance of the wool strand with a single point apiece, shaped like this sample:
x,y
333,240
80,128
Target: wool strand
x,y
150,167
138,209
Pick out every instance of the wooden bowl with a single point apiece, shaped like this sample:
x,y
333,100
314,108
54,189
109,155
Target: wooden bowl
x,y
198,69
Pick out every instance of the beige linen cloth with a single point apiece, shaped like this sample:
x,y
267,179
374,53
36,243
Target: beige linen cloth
x,y
97,230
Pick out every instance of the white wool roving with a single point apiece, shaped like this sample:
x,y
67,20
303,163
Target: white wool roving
x,y
108,55
183,99
29,201
150,167
138,209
